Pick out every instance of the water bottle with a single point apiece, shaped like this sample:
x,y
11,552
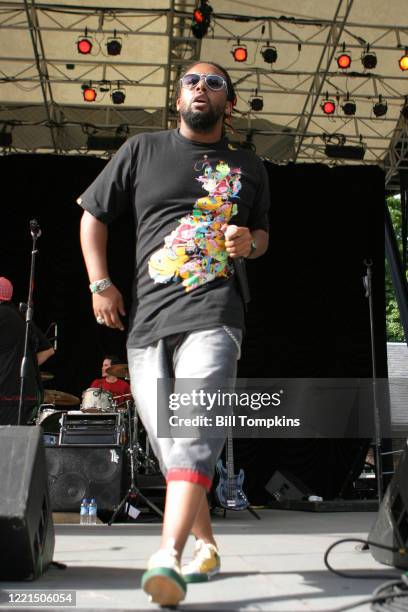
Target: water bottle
x,y
92,510
83,512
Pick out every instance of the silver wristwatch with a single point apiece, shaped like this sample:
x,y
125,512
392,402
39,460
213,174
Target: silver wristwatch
x,y
253,247
100,285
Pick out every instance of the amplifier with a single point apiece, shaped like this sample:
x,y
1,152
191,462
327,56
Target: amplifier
x,y
104,429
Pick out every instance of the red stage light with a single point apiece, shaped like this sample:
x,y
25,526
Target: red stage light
x,y
84,46
240,54
89,94
344,61
198,16
328,107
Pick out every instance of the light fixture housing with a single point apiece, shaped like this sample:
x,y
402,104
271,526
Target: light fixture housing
x,y
114,46
349,107
380,108
369,59
256,103
344,59
201,19
118,96
84,44
404,109
328,106
403,61
89,93
270,54
240,53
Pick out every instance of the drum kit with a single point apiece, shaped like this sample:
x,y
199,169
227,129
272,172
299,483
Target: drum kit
x,y
96,400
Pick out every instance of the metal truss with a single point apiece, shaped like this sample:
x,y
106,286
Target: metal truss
x,y
386,138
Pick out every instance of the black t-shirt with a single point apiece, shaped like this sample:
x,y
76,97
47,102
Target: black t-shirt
x,y
12,336
181,193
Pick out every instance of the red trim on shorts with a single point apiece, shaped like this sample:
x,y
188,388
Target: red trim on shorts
x,y
190,476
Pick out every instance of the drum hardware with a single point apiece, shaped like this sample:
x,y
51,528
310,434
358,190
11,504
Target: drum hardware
x,y
132,444
120,370
119,402
97,400
60,398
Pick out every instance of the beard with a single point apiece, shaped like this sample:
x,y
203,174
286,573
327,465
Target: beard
x,y
201,121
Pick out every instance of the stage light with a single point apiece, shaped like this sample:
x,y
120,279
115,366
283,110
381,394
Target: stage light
x,y
84,44
342,151
118,96
344,61
403,60
269,54
5,139
380,108
201,19
368,59
89,93
240,53
349,106
114,45
104,143
328,105
256,102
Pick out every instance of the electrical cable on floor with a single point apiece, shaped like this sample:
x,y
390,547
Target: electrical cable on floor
x,y
391,596
372,575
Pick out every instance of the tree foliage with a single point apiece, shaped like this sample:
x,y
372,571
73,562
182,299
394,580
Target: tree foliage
x,y
395,332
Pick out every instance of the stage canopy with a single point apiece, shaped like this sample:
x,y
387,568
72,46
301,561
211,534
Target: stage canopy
x,y
43,75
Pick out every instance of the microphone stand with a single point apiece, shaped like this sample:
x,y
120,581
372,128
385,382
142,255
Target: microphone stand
x,y
35,233
367,281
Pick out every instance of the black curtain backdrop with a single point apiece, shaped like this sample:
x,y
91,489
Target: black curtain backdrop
x,y
308,316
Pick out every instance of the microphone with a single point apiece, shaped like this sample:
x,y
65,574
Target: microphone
x,y
35,228
55,336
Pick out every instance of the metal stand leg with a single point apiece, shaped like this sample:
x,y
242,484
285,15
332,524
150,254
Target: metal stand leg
x,y
133,490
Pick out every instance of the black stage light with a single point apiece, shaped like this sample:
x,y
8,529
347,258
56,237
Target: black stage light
x,y
269,54
344,59
380,108
256,103
341,151
5,139
105,143
349,106
368,59
201,19
89,93
118,96
114,46
328,105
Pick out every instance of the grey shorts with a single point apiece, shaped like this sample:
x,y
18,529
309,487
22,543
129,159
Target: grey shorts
x,y
209,354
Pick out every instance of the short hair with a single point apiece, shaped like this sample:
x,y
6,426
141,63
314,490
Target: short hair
x,y
230,87
113,359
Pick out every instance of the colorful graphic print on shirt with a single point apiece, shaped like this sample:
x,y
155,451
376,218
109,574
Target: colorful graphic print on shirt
x,y
195,251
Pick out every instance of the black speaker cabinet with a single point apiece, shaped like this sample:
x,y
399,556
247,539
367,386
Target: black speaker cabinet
x,y
26,527
391,525
85,471
286,486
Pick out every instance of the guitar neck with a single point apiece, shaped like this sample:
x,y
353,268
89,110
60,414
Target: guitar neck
x,y
230,454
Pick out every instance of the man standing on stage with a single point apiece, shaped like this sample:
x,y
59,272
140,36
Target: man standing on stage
x,y
198,204
12,339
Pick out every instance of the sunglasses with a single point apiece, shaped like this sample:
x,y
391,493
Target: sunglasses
x,y
213,81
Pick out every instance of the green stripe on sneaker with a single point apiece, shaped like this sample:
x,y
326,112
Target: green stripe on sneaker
x,y
196,577
168,573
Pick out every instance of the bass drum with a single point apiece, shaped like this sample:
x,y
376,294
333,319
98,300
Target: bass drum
x,y
97,400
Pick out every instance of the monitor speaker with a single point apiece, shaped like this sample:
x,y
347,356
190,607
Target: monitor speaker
x,y
86,471
391,525
285,486
26,527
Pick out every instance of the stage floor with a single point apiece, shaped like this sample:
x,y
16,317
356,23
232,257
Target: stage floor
x,y
272,564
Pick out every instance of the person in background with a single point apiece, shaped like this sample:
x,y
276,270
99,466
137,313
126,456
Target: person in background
x,y
12,337
119,388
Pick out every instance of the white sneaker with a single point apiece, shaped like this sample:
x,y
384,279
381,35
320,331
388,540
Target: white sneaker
x,y
163,580
205,564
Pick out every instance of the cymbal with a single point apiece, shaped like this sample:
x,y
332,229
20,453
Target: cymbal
x,y
120,370
51,396
46,376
